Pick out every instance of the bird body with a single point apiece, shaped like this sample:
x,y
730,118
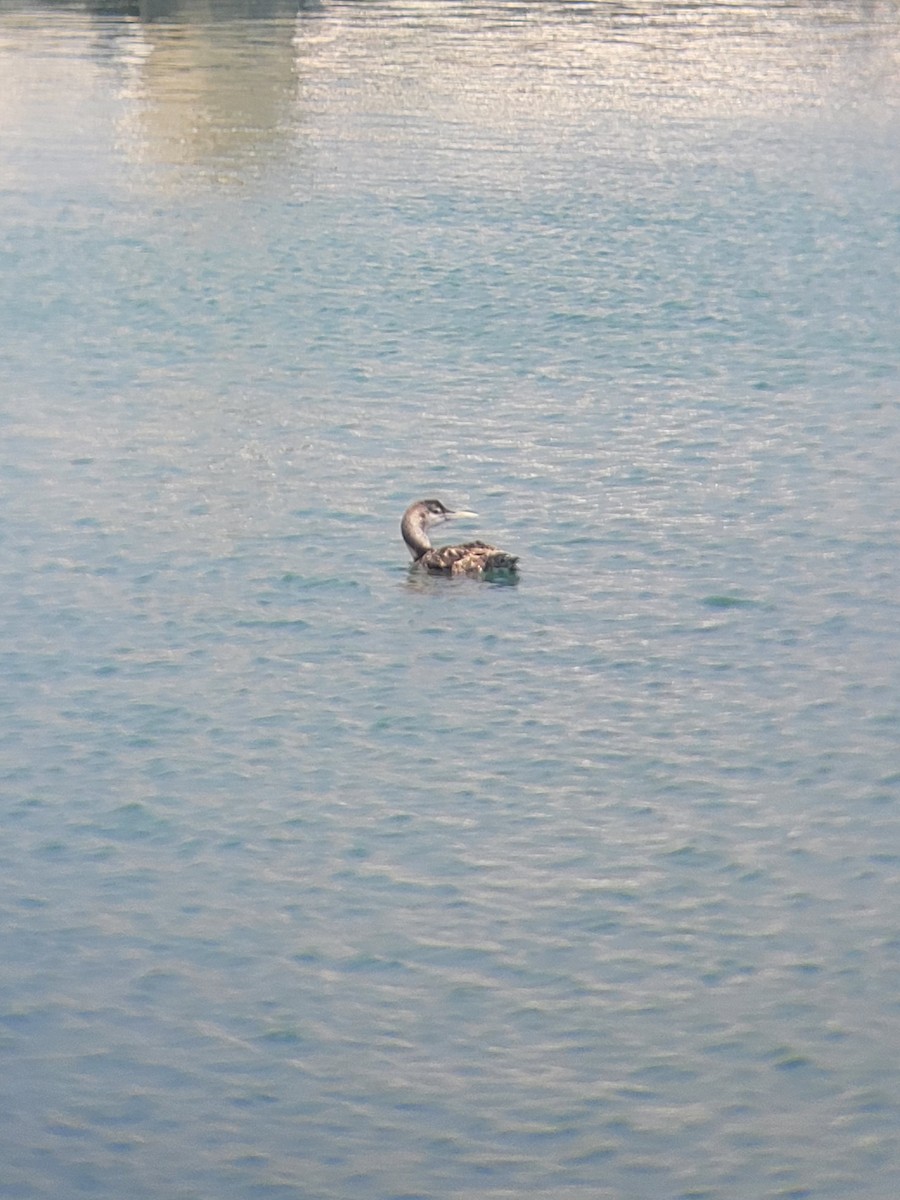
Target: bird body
x,y
471,558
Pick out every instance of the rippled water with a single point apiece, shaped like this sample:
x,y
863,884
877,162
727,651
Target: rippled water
x,y
323,880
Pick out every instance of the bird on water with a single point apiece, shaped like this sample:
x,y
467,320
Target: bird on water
x,y
471,558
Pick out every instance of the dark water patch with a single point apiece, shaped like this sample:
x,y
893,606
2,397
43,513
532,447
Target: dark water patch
x,y
285,1035
724,601
133,821
295,624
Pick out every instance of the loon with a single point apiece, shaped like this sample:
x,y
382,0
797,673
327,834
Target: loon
x,y
472,558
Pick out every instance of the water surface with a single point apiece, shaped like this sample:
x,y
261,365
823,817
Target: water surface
x,y
320,879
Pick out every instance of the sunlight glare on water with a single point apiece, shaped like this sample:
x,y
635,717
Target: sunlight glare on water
x,y
325,879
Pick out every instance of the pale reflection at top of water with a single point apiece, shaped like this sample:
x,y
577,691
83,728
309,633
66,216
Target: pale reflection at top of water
x,y
208,93
498,65
199,86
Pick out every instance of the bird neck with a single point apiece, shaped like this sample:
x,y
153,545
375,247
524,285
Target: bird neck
x,y
415,537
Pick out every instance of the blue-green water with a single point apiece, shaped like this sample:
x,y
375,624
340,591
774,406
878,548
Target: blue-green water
x,y
321,880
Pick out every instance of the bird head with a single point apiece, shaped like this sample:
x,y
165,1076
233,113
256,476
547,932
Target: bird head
x,y
436,513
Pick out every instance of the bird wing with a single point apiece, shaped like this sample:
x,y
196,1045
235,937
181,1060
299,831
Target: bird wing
x,y
470,558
